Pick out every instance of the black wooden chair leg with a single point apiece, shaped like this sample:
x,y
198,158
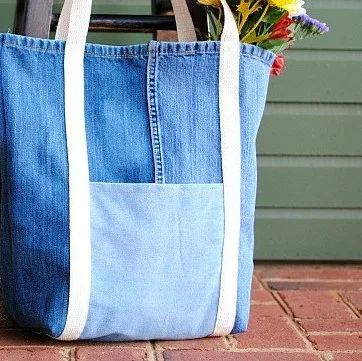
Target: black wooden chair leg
x,y
35,18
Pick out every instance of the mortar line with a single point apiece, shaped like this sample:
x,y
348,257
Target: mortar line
x,y
308,280
275,296
270,350
232,342
335,333
265,303
289,313
283,304
326,356
349,304
293,319
280,301
301,333
262,282
150,352
69,353
158,351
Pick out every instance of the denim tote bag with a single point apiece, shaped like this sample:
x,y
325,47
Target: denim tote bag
x,y
128,181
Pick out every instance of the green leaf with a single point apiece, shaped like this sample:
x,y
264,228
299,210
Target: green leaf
x,y
272,43
273,15
253,38
213,24
247,8
301,32
275,45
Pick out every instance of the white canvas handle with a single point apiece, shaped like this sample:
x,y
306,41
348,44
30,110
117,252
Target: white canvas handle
x,y
74,27
230,131
184,24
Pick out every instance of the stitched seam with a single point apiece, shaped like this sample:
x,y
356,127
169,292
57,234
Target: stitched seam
x,y
9,45
54,51
214,52
161,53
152,108
6,166
165,184
126,56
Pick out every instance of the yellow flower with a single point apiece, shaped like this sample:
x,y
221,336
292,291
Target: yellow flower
x,y
214,3
294,7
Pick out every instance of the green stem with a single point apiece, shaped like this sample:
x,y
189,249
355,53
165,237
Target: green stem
x,y
239,18
257,23
218,28
243,21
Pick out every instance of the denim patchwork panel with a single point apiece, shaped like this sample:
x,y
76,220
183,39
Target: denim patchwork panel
x,y
34,214
156,260
151,115
190,131
117,122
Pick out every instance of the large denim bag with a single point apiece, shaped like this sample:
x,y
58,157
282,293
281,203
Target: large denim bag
x,y
129,181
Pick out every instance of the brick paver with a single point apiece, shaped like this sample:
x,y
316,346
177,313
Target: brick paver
x,y
316,304
315,285
17,337
298,313
337,342
355,298
332,325
110,353
266,310
235,356
33,355
210,343
270,332
261,296
256,285
310,272
347,356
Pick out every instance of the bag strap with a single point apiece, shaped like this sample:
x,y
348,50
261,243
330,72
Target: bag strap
x,y
230,135
76,18
184,23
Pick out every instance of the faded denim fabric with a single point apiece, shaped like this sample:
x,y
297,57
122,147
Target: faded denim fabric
x,y
151,116
156,260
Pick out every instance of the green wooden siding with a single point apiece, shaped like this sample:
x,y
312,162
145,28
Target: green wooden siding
x,y
309,203
311,129
7,9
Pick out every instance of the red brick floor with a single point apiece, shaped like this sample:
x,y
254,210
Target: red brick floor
x,y
298,313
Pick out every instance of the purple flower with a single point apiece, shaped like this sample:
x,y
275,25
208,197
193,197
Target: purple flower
x,y
314,25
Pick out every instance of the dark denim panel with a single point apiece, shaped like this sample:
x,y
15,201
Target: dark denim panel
x,y
117,122
35,225
5,242
187,89
34,217
188,113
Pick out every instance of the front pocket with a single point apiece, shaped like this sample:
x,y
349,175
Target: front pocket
x,y
156,260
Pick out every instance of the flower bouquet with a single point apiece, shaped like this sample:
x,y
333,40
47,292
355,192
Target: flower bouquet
x,y
274,25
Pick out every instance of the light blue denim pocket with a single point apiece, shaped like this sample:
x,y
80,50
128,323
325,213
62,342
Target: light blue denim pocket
x,y
156,260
